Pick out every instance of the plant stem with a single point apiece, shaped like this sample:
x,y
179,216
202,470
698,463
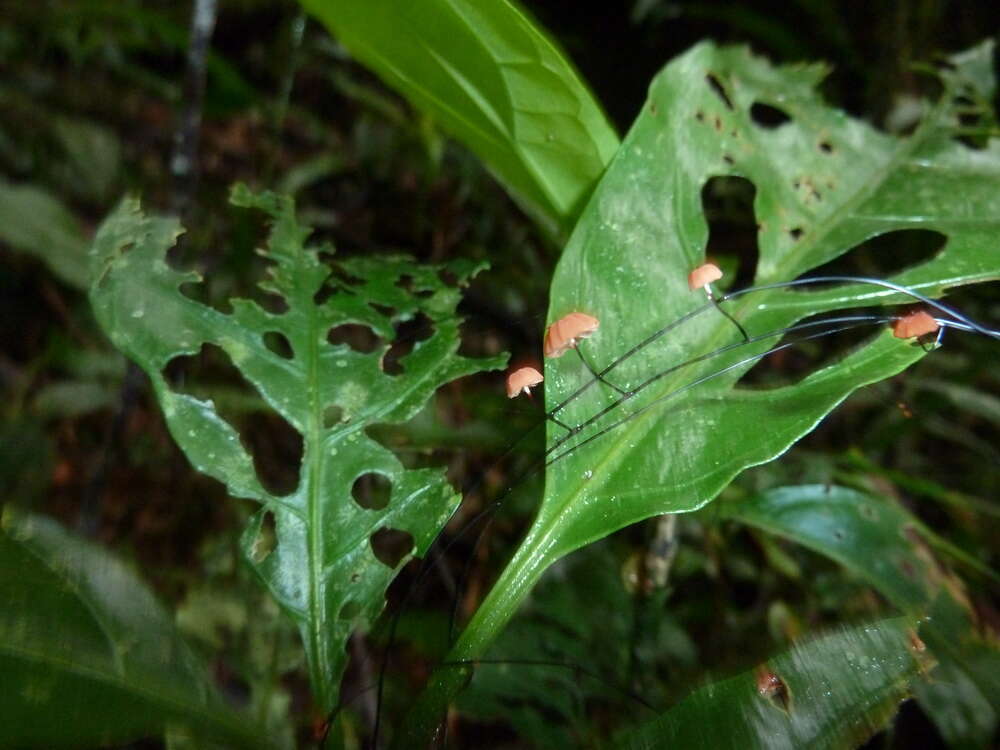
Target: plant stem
x,y
520,575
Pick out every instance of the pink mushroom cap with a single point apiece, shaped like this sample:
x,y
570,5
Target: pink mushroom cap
x,y
704,274
916,323
522,380
564,334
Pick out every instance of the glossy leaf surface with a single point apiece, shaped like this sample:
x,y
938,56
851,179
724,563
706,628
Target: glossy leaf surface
x,y
88,655
496,82
323,568
833,692
824,183
885,545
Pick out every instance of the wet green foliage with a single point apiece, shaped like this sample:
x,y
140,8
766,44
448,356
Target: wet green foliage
x,y
425,143
323,564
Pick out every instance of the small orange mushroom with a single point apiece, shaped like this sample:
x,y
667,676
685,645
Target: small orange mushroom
x,y
522,380
566,332
916,323
703,275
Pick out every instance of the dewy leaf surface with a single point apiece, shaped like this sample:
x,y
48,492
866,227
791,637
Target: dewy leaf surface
x,y
322,569
824,183
496,82
882,543
835,692
88,656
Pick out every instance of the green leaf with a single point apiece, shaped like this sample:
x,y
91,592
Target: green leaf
x,y
644,230
34,221
835,692
323,569
883,544
88,654
875,539
824,183
496,82
543,675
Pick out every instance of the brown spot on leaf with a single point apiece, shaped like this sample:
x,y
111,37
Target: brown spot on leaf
x,y
771,687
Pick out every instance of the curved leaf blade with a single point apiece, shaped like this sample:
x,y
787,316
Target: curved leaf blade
x,y
644,230
876,540
837,691
882,543
323,570
824,183
496,82
88,654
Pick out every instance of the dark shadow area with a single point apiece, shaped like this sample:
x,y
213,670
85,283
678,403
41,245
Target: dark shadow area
x,y
275,446
279,344
791,365
358,337
768,117
882,256
732,229
372,490
390,546
408,334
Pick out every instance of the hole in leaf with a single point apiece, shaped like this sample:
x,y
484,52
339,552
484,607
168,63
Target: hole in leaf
x,y
358,337
195,290
772,688
796,233
277,450
826,147
279,344
332,416
272,303
790,365
265,540
408,334
719,90
372,490
210,374
345,277
732,229
768,116
882,256
406,282
274,445
385,310
349,611
448,277
327,291
390,546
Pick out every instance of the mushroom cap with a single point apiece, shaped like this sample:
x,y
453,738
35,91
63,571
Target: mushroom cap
x,y
916,323
704,274
565,332
521,381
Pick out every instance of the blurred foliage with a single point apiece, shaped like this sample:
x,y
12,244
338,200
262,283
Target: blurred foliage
x,y
91,91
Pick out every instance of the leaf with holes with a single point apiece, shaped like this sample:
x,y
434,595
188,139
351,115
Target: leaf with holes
x,y
833,692
824,183
324,568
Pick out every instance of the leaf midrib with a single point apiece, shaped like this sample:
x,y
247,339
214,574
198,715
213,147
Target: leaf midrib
x,y
549,537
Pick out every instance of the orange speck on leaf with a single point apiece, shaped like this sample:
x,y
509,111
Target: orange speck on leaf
x,y
566,332
916,323
703,275
522,380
